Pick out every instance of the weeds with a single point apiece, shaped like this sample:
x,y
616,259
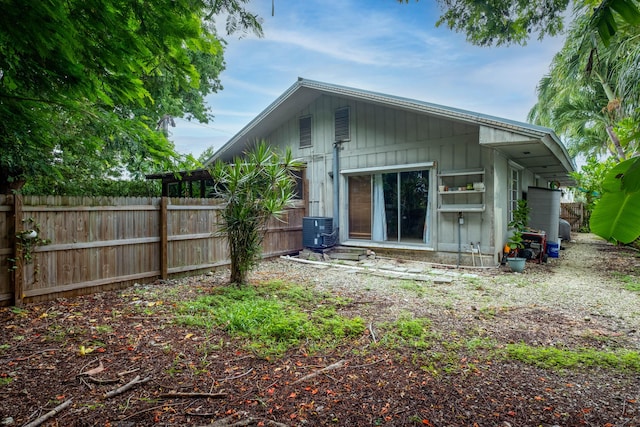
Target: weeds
x,y
557,358
631,283
273,317
408,331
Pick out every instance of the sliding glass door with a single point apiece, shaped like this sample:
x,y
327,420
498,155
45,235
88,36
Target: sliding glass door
x,y
398,207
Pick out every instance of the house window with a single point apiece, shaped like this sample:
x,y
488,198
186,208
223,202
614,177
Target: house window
x,y
390,207
343,131
514,191
305,132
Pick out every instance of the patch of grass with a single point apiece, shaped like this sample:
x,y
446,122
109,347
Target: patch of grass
x,y
104,329
557,358
489,312
4,347
413,332
4,381
412,286
481,343
92,406
273,317
476,283
631,283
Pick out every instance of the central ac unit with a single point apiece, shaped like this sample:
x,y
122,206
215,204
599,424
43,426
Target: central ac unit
x,y
318,232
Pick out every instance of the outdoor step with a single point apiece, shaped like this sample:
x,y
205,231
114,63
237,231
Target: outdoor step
x,y
353,256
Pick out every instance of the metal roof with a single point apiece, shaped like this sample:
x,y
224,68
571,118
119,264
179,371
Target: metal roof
x,y
536,147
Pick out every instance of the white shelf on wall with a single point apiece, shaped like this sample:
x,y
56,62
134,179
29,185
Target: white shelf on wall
x,y
453,183
460,207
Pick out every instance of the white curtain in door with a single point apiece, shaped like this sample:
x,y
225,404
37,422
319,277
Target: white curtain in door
x,y
379,232
427,216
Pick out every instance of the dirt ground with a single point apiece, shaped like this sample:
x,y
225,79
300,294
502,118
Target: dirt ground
x,y
585,299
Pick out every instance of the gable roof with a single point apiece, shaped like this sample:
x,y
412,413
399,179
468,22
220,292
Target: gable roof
x,y
536,148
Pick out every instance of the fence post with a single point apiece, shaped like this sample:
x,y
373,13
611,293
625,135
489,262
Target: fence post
x,y
17,274
164,267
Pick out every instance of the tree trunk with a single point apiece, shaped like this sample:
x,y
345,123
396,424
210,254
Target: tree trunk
x,y
9,186
616,143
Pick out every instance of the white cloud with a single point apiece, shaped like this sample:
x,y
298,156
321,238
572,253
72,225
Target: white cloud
x,y
380,46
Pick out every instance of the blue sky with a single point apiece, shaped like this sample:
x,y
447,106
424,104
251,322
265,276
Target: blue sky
x,y
377,45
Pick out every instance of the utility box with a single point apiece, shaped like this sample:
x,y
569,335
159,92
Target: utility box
x,y
317,232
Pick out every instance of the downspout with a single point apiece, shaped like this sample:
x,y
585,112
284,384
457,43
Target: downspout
x,y
460,222
336,190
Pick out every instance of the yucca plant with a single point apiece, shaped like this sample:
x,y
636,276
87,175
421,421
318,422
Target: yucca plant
x,y
256,188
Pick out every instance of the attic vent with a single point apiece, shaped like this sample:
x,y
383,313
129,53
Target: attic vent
x,y
342,125
305,132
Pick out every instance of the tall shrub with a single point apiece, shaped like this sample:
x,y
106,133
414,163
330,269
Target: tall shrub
x,y
256,188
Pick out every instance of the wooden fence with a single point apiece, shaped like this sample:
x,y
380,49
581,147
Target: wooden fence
x,y
106,243
576,214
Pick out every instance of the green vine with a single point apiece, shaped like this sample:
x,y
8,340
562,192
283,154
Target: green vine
x,y
27,241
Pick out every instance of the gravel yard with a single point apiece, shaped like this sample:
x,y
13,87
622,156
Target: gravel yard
x,y
578,294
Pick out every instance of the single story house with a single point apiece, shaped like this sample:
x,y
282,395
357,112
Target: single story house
x,y
397,173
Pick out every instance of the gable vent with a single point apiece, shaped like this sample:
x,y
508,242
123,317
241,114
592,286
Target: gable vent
x,y
305,132
342,125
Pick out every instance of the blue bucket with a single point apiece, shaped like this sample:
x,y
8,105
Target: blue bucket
x,y
553,249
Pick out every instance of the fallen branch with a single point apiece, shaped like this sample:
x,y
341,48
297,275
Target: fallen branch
x,y
135,414
102,380
235,377
373,335
49,414
230,422
314,374
122,374
193,395
134,382
20,359
368,364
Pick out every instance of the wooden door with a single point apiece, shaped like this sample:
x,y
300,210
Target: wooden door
x,y
360,207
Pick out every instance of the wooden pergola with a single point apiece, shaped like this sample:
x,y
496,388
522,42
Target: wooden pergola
x,y
198,183
195,183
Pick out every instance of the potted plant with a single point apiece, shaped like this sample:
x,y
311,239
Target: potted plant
x,y
518,225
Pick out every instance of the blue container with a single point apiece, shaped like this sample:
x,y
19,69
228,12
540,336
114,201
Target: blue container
x,y
553,249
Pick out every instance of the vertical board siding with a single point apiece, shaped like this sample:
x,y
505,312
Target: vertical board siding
x,y
99,243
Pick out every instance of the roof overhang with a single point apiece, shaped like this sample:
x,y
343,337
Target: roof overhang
x,y
535,147
540,152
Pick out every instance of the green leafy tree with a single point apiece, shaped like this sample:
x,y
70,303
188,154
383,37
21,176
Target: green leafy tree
x,y
85,78
504,22
255,188
589,183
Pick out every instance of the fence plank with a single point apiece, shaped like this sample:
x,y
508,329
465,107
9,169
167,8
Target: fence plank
x,y
6,250
164,267
575,214
18,271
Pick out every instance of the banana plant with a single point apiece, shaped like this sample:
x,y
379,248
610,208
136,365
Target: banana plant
x,y
616,216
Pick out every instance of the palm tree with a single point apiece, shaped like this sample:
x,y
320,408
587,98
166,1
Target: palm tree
x,y
591,87
255,188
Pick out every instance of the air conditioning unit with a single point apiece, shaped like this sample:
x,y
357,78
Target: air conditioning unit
x,y
318,232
